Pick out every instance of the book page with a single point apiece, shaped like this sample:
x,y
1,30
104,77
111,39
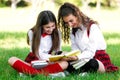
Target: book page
x,y
58,57
73,53
55,58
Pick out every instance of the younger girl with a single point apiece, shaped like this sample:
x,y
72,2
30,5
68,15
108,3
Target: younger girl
x,y
44,40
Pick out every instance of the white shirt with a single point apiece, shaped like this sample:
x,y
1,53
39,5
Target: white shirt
x,y
88,45
44,47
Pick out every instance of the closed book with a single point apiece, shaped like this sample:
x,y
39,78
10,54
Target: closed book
x,y
39,64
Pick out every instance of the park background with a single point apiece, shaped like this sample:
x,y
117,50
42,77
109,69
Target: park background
x,y
17,17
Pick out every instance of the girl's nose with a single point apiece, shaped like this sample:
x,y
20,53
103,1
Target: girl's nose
x,y
51,29
69,23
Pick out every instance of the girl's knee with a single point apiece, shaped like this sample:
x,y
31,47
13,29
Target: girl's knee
x,y
101,68
63,64
12,60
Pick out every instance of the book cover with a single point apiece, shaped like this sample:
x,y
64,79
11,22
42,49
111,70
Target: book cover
x,y
58,57
39,64
79,63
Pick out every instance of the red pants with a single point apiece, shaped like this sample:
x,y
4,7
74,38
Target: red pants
x,y
24,68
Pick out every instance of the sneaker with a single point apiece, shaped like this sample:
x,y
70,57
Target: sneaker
x,y
59,74
66,73
22,74
83,74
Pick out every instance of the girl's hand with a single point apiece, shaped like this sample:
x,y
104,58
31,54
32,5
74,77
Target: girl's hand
x,y
70,58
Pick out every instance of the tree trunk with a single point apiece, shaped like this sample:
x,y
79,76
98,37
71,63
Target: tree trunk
x,y
108,3
98,5
14,4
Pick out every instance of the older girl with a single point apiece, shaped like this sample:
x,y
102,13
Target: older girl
x,y
86,36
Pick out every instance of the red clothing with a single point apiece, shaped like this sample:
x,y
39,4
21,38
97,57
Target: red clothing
x,y
102,56
24,68
30,57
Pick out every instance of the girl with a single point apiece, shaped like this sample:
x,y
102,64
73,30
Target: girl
x,y
85,36
44,41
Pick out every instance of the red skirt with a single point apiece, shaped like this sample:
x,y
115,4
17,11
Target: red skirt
x,y
30,57
102,56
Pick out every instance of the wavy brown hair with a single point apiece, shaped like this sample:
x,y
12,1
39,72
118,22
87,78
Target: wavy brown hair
x,y
44,18
67,9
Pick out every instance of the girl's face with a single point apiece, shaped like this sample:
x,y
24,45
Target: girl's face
x,y
48,28
71,20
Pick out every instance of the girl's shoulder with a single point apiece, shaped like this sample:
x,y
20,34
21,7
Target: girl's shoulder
x,y
30,32
94,26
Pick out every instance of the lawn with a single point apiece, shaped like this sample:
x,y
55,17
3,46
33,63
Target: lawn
x,y
13,29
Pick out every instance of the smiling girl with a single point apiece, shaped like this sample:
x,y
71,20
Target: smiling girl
x,y
44,39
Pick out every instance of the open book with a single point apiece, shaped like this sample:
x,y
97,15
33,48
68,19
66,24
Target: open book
x,y
39,64
58,57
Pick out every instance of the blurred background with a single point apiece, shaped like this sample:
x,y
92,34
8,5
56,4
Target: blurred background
x,y
20,15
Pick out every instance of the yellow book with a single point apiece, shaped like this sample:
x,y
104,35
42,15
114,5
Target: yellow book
x,y
58,57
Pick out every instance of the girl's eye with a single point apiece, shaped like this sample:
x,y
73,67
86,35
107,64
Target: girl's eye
x,y
71,21
53,26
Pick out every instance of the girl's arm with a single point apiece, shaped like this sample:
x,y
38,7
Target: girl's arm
x,y
96,42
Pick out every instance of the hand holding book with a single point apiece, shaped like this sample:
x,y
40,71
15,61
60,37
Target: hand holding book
x,y
54,58
70,58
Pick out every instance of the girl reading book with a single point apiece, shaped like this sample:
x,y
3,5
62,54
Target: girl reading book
x,y
44,40
86,36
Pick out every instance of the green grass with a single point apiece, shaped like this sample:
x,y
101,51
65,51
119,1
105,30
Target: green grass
x,y
17,46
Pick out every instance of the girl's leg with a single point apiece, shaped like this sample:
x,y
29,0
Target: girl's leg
x,y
63,64
22,66
26,68
91,66
12,60
101,68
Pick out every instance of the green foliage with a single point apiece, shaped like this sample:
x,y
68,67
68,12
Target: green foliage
x,y
7,3
4,3
23,3
76,2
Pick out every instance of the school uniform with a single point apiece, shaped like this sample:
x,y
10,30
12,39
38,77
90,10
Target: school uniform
x,y
91,45
44,54
44,47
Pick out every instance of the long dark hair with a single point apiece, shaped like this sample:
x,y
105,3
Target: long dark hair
x,y
67,9
44,18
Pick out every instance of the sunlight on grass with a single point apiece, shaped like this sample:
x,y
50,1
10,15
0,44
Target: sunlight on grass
x,y
113,41
10,43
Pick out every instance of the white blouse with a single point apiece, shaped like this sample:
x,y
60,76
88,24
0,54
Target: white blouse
x,y
45,45
88,45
